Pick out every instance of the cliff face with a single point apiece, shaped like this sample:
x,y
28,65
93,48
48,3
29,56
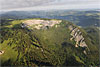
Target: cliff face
x,y
77,37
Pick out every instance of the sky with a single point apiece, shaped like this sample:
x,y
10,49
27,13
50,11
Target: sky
x,y
48,4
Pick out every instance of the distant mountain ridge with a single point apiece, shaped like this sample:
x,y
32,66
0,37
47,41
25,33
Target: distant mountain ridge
x,y
81,18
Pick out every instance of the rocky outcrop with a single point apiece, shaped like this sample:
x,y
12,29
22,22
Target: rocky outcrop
x,y
77,36
1,52
40,24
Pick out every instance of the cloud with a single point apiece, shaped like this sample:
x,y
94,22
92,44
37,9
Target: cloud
x,y
9,4
48,4
62,2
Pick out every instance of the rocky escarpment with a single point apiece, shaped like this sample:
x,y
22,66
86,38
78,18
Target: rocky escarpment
x,y
40,24
77,37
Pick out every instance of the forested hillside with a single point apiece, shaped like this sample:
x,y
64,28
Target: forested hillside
x,y
47,45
